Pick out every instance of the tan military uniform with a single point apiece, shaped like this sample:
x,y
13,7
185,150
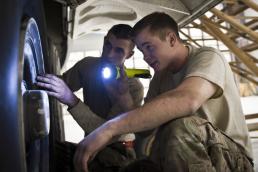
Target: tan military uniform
x,y
189,144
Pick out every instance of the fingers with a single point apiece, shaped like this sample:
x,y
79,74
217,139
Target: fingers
x,y
53,77
52,90
51,86
123,76
49,78
49,81
80,159
54,94
57,88
76,159
89,147
122,72
85,164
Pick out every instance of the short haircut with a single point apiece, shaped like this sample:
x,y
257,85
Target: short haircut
x,y
158,23
122,31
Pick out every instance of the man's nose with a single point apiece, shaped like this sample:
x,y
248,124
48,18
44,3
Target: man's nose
x,y
146,57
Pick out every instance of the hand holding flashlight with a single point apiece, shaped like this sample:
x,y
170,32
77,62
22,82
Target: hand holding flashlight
x,y
118,91
111,71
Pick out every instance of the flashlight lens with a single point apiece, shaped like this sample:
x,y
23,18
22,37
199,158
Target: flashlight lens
x,y
106,73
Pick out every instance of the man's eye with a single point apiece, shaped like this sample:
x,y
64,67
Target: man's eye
x,y
149,48
119,50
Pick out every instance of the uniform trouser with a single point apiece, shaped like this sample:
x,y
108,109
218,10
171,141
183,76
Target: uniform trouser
x,y
110,159
185,144
194,144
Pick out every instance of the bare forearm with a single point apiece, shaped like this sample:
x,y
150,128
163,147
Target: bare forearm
x,y
155,113
180,102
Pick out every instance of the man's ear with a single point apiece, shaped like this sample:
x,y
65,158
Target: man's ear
x,y
172,38
130,55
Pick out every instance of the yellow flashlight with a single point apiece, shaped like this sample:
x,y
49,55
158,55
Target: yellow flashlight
x,y
111,71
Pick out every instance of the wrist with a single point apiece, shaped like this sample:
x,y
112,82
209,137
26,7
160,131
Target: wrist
x,y
116,127
74,101
109,130
112,128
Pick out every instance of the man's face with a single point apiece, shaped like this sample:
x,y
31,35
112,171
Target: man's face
x,y
116,50
156,52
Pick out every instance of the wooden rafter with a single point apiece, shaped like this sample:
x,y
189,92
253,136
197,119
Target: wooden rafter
x,y
239,35
190,39
229,2
251,4
251,116
240,38
233,33
243,73
247,77
250,47
201,27
236,24
237,65
235,9
251,22
230,44
245,17
255,60
252,127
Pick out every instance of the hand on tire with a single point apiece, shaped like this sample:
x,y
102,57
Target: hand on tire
x,y
57,88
